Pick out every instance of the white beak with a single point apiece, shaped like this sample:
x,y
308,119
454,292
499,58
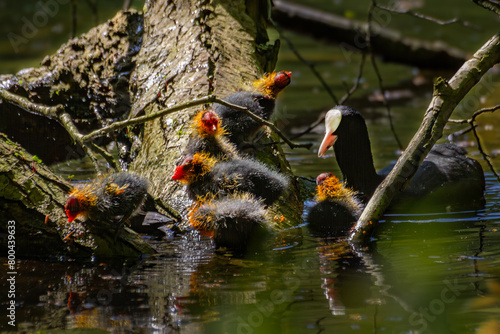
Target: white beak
x,y
332,122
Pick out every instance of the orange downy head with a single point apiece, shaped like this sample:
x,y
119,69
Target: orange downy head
x,y
329,186
207,123
192,167
273,83
80,200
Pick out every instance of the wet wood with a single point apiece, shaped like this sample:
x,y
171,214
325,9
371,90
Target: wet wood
x,y
34,197
214,52
137,64
447,95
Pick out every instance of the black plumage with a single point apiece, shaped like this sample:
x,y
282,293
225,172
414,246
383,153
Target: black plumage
x,y
233,222
261,101
206,177
242,128
336,210
445,170
209,136
109,201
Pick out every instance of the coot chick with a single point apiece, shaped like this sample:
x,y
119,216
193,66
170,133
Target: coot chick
x,y
208,136
337,207
205,176
241,128
108,202
233,222
446,169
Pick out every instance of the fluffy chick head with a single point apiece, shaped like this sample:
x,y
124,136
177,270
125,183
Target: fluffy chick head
x,y
271,84
192,167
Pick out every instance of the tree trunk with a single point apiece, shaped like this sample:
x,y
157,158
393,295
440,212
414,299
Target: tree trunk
x,y
214,52
175,52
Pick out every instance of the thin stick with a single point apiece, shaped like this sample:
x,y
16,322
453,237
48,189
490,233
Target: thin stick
x,y
261,121
343,100
429,18
494,6
310,65
486,157
472,122
66,121
356,83
142,119
379,77
26,104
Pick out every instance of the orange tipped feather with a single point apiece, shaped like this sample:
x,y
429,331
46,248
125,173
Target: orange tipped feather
x,y
332,188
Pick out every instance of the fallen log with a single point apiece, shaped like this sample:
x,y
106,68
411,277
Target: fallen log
x,y
138,64
33,198
390,44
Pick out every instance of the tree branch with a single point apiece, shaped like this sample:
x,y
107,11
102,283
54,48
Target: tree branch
x,y
472,122
344,98
310,65
377,72
446,97
429,18
492,5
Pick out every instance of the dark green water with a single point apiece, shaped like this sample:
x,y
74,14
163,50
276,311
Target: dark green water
x,y
426,273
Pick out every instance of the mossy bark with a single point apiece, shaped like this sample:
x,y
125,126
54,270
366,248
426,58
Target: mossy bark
x,y
33,197
215,51
174,52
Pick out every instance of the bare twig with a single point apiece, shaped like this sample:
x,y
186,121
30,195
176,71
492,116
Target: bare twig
x,y
379,77
27,105
351,91
472,122
475,115
428,18
486,157
492,5
310,65
66,121
261,121
163,112
343,100
142,119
